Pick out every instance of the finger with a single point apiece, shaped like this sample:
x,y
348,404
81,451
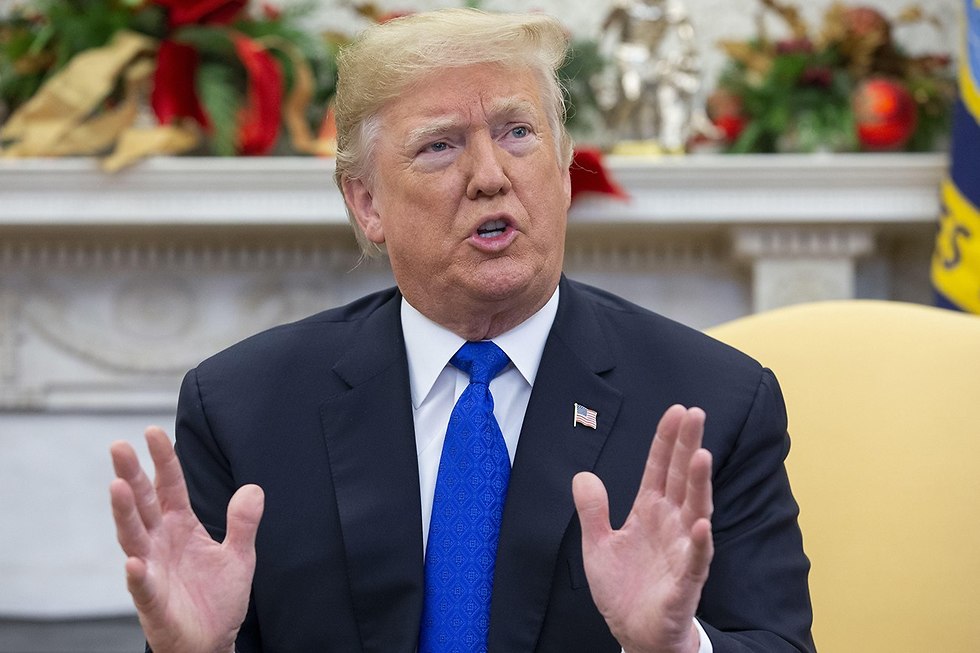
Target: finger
x,y
592,505
698,503
701,552
139,584
688,441
244,514
661,449
170,485
130,529
127,467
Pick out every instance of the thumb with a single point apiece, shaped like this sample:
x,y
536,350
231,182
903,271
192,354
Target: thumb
x,y
592,504
244,513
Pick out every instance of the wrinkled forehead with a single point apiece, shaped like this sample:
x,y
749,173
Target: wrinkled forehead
x,y
491,112
467,94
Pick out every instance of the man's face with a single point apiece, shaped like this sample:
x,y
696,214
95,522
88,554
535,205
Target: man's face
x,y
468,194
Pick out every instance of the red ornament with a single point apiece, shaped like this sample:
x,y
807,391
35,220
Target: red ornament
x,y
885,114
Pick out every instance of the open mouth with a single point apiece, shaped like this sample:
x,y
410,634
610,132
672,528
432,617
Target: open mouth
x,y
491,228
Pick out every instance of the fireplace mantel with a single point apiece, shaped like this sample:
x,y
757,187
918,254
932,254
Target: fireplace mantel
x,y
294,192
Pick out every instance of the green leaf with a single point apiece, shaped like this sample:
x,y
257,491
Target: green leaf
x,y
41,40
219,94
211,41
786,70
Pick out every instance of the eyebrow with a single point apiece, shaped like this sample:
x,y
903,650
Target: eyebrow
x,y
510,106
436,127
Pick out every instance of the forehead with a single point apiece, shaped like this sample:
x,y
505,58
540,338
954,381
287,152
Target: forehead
x,y
467,93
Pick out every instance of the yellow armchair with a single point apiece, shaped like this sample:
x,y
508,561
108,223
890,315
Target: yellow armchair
x,y
884,412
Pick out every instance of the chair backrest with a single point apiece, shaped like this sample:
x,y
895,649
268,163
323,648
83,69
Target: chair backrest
x,y
884,415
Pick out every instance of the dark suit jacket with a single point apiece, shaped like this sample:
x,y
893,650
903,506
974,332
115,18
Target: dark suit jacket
x,y
319,414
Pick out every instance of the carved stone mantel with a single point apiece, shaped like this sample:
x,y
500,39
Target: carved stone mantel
x,y
112,286
770,217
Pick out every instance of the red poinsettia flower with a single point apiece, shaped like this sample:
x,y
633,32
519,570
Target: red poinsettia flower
x,y
188,12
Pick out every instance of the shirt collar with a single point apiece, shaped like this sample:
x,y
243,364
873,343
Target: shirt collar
x,y
429,346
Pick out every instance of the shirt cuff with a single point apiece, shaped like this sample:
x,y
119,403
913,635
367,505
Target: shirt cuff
x,y
704,645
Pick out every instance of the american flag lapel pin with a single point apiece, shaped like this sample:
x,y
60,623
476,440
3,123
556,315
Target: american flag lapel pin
x,y
584,416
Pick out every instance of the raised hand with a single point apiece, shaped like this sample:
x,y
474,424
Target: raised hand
x,y
646,578
191,592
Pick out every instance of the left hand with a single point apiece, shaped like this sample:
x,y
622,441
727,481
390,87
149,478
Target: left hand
x,y
646,578
191,593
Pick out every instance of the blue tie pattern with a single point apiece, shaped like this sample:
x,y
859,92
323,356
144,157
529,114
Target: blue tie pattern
x,y
469,499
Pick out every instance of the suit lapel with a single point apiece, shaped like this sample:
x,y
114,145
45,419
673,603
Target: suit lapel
x,y
373,461
550,452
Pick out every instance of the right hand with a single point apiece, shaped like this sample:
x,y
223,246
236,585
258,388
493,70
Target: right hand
x,y
646,577
191,593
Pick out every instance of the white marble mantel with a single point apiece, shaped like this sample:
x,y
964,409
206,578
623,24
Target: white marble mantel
x,y
112,286
702,189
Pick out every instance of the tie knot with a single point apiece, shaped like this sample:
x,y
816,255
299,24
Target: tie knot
x,y
481,360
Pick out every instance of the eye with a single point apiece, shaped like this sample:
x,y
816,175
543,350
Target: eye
x,y
438,146
520,131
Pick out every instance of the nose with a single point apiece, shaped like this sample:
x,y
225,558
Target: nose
x,y
487,173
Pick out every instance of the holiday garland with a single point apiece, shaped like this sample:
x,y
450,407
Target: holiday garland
x,y
77,77
220,77
849,86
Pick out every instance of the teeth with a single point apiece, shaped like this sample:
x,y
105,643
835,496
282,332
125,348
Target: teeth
x,y
491,227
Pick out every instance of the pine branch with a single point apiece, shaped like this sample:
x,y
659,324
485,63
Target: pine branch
x,y
222,100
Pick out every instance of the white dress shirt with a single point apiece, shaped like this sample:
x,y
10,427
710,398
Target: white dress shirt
x,y
436,385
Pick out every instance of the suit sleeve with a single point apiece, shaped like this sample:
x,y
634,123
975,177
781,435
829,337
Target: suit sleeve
x,y
210,481
756,597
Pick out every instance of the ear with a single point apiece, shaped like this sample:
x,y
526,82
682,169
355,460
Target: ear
x,y
361,203
566,182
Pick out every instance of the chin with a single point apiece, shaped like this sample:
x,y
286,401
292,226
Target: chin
x,y
500,285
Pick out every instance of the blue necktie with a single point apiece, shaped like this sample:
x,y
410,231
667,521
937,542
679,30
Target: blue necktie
x,y
469,500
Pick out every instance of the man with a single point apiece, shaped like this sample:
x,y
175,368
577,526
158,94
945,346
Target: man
x,y
453,159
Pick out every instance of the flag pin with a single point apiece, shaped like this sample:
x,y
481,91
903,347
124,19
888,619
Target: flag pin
x,y
584,416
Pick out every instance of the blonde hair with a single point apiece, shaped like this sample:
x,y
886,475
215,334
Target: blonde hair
x,y
385,59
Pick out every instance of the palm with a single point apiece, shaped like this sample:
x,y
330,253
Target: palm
x,y
191,592
646,577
